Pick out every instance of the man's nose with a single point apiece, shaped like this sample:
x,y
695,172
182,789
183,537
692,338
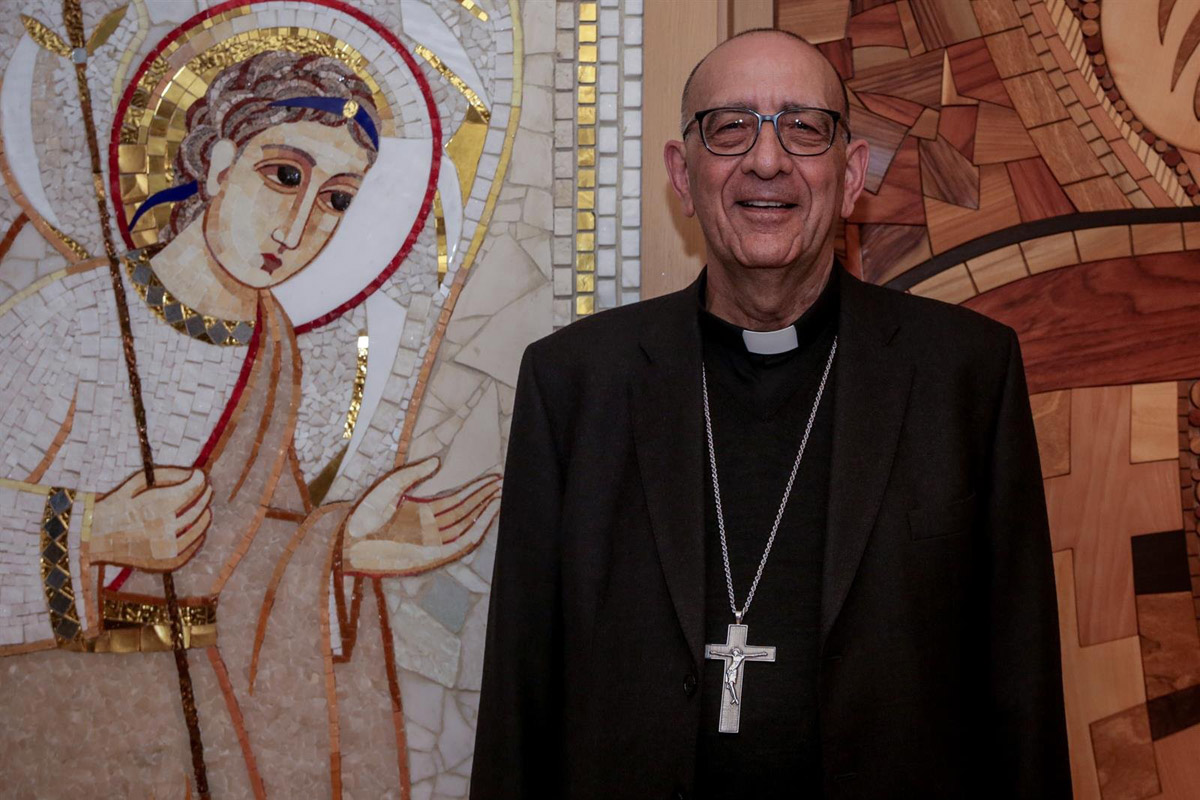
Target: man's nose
x,y
291,231
767,158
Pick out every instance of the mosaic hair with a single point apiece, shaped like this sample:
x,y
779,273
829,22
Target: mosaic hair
x,y
239,105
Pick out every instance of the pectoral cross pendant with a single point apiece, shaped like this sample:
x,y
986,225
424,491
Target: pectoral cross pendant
x,y
735,653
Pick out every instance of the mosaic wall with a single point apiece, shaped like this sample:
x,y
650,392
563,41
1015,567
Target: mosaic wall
x,y
267,269
1037,161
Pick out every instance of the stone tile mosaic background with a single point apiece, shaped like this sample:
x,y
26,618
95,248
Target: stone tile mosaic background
x,y
351,421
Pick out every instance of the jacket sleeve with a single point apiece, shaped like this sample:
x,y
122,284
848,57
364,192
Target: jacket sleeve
x,y
1028,753
517,740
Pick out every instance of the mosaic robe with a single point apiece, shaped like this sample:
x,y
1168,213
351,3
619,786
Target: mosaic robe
x,y
271,575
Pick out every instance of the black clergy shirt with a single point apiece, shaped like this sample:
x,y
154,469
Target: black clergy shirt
x,y
760,406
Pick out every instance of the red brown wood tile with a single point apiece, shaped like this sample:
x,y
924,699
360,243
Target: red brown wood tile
x,y
947,175
956,125
944,22
974,73
890,250
908,26
926,125
904,112
951,225
1124,754
879,26
1077,324
1097,194
1035,99
1170,644
1038,195
899,197
919,79
884,137
1000,136
1012,53
1066,152
995,15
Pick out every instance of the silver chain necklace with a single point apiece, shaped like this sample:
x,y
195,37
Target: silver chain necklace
x,y
736,651
712,460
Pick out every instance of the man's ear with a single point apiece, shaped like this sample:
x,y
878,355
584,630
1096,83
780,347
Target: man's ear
x,y
674,156
858,154
219,161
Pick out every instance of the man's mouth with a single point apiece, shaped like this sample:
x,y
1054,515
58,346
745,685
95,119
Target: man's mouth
x,y
270,263
765,204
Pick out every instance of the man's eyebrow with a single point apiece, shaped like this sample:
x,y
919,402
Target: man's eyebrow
x,y
743,103
303,155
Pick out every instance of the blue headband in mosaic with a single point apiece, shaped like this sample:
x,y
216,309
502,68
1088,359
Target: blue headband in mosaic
x,y
336,105
172,195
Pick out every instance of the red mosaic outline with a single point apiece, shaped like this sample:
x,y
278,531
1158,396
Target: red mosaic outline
x,y
414,69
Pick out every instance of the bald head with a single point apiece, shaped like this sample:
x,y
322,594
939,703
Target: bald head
x,y
825,79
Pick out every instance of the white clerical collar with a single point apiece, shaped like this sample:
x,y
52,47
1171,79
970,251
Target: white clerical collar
x,y
770,343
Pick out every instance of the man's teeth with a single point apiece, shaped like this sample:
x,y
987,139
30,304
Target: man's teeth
x,y
764,204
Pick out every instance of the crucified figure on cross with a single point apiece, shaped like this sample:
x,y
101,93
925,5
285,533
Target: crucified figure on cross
x,y
736,657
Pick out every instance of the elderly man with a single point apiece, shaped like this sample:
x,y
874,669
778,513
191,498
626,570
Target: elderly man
x,y
781,533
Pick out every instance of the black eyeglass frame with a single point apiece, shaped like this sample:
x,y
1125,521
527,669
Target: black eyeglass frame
x,y
838,119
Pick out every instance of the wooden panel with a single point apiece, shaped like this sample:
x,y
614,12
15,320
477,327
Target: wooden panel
x,y
816,20
1096,194
1157,238
1154,422
1077,324
957,125
1052,420
884,137
889,250
908,25
879,26
746,15
1102,503
676,35
1050,252
1191,235
1098,681
899,197
950,225
926,125
1124,753
1038,194
944,22
1001,136
951,285
1096,244
947,175
1178,767
995,15
919,79
975,75
1012,53
1066,151
904,112
1170,645
1035,99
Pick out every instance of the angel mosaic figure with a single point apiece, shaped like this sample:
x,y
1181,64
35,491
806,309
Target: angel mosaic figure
x,y
274,155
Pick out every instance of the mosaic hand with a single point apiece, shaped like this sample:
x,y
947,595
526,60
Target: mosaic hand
x,y
155,529
392,531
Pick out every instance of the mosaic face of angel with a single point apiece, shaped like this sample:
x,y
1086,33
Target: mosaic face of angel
x,y
276,204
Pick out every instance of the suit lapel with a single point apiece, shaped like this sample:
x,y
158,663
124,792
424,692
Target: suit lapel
x,y
669,438
871,393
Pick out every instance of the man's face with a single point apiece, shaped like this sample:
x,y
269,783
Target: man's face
x,y
766,209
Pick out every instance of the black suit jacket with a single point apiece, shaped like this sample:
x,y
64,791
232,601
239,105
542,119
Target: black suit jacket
x,y
940,673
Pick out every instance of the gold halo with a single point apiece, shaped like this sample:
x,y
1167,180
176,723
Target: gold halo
x,y
155,120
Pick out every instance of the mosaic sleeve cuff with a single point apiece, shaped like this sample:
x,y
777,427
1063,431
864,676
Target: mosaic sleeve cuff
x,y
42,571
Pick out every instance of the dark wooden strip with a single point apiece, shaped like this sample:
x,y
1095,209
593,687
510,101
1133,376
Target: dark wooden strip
x,y
1173,712
1043,227
1160,563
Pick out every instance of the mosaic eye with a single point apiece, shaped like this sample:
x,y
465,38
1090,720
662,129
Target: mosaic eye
x,y
337,199
288,175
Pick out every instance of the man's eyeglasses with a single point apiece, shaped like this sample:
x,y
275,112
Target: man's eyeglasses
x,y
734,131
